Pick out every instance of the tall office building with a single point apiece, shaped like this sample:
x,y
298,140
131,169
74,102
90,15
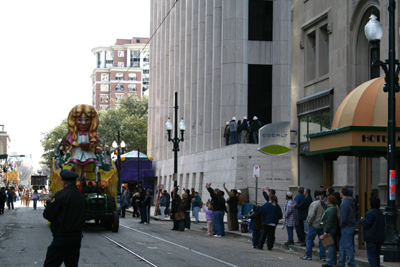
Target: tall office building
x,y
120,71
225,58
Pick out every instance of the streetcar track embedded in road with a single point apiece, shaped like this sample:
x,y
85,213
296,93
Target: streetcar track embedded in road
x,y
130,251
180,246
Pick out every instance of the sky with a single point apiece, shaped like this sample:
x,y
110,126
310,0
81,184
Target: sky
x,y
47,61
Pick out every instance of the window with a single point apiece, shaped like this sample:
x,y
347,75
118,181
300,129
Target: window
x,y
260,20
104,87
119,87
109,59
145,78
121,53
260,93
118,97
121,64
135,58
104,77
146,56
132,76
132,87
146,71
104,107
119,76
314,123
316,47
99,60
138,41
145,88
104,98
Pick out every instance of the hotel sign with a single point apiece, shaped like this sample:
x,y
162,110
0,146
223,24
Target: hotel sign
x,y
275,138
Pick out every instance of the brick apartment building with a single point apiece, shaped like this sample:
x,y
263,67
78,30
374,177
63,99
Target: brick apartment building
x,y
120,71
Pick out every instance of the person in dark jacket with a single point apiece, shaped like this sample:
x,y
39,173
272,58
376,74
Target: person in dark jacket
x,y
374,231
3,198
300,226
329,223
348,223
255,225
135,205
147,205
142,205
88,189
67,214
168,198
233,210
271,213
176,201
302,207
218,203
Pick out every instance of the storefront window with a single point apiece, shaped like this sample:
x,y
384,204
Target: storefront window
x,y
303,129
326,120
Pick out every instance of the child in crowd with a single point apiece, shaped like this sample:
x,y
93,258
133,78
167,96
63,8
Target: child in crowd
x,y
209,213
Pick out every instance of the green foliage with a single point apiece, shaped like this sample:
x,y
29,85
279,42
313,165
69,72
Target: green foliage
x,y
50,141
130,118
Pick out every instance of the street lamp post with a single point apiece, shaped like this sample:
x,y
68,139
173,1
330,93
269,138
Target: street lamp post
x,y
175,140
374,32
119,146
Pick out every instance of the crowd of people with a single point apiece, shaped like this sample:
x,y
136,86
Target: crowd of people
x,y
237,132
333,215
10,194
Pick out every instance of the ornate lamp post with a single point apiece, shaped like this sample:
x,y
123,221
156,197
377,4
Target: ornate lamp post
x,y
119,146
374,32
175,140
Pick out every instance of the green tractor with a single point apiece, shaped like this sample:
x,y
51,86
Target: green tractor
x,y
102,208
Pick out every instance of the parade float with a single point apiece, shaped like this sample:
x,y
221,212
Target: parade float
x,y
81,151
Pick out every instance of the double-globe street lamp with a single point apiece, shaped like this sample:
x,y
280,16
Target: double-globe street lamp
x,y
374,32
118,146
175,140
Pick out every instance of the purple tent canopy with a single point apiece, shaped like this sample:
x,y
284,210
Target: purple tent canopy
x,y
129,168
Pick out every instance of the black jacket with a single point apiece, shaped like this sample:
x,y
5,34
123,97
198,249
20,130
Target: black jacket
x,y
3,197
217,203
374,226
67,213
233,202
303,207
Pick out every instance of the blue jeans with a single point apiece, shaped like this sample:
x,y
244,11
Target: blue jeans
x,y
227,140
255,137
34,203
239,211
234,137
142,214
239,138
289,233
219,222
300,231
373,252
196,213
305,229
312,233
346,247
332,259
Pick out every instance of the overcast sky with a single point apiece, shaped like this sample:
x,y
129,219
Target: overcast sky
x,y
47,61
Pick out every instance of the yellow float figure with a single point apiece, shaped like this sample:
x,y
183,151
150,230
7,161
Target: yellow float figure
x,y
79,147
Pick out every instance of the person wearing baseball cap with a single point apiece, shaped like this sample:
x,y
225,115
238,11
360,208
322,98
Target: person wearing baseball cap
x,y
291,218
67,214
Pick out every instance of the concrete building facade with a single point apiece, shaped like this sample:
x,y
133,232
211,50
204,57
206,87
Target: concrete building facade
x,y
225,58
120,71
330,57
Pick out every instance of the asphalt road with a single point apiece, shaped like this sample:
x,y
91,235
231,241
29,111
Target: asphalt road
x,y
25,236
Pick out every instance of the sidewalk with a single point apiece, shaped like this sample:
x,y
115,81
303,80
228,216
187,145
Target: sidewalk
x,y
281,237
